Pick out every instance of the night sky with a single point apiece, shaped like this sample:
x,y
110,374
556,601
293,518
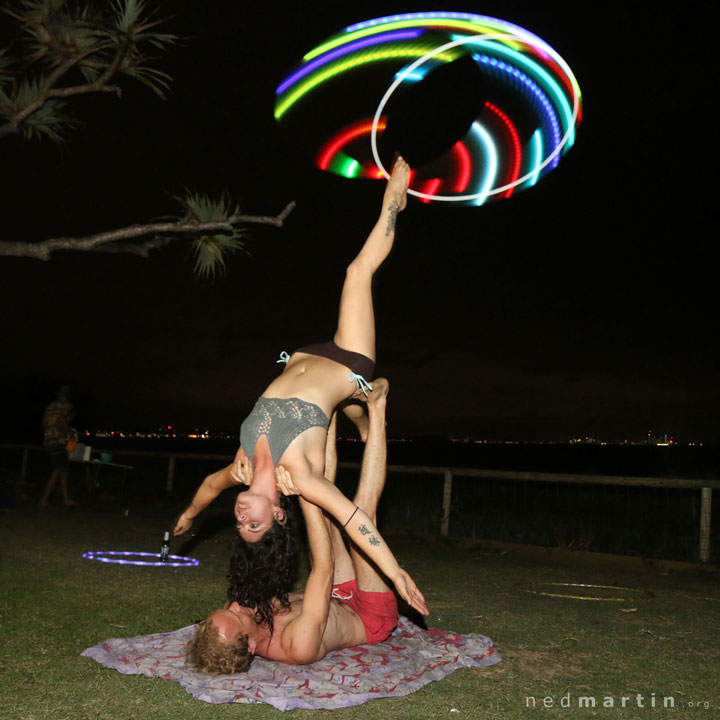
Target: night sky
x,y
585,306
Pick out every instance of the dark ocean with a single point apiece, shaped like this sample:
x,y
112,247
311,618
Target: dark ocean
x,y
678,461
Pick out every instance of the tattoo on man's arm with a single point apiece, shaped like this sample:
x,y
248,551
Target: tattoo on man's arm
x,y
374,540
363,529
394,209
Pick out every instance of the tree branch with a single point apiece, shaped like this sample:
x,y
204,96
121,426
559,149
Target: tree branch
x,y
98,85
101,242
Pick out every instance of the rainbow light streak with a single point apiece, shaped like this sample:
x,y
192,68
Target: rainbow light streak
x,y
553,89
465,167
376,40
550,115
118,557
338,68
417,63
536,151
339,141
474,27
515,141
492,163
527,64
479,22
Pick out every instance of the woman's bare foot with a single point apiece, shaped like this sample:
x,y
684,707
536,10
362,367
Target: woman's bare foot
x,y
396,190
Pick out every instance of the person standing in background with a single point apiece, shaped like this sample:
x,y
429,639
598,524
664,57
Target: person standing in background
x,y
57,433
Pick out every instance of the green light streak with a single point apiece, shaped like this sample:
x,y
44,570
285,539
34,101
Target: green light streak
x,y
536,153
314,79
474,27
344,165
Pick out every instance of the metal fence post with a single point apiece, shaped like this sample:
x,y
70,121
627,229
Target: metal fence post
x,y
705,516
23,466
171,474
447,497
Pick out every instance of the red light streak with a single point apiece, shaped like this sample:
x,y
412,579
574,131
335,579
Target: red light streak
x,y
364,127
515,142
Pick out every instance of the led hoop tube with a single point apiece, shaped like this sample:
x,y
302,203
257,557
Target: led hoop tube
x,y
117,557
459,198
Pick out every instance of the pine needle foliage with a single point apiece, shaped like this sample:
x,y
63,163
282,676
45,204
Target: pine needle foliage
x,y
211,250
66,48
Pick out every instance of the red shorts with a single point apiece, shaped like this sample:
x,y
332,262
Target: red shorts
x,y
377,610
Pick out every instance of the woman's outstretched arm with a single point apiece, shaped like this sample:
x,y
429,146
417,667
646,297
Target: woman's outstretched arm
x,y
210,488
361,530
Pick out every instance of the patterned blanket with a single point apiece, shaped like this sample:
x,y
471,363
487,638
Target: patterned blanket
x,y
407,660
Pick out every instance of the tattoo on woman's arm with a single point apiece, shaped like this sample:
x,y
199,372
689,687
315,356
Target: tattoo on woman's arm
x,y
394,209
372,539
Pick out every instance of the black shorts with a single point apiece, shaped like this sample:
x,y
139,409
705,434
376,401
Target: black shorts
x,y
58,456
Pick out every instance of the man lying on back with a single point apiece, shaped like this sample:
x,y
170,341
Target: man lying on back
x,y
345,603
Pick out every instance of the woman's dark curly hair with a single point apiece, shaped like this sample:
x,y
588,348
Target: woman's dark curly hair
x,y
263,573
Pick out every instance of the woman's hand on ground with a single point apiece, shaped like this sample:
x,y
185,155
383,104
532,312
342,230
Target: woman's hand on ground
x,y
242,470
285,481
182,524
409,591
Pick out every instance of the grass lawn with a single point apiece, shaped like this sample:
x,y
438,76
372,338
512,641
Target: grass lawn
x,y
54,604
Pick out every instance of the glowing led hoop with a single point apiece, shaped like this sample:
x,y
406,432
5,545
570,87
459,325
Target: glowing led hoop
x,y
644,594
120,558
476,196
516,61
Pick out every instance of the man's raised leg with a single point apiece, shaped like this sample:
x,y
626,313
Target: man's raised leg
x,y
372,483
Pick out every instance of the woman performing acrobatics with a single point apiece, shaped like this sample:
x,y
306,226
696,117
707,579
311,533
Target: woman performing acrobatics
x,y
288,424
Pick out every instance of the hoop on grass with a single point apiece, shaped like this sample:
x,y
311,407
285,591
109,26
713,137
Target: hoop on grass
x,y
129,558
638,593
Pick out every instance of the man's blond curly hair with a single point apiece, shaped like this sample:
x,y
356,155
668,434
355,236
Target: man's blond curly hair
x,y
206,653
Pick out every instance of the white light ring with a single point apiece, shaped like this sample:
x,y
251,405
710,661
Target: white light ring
x,y
458,198
117,557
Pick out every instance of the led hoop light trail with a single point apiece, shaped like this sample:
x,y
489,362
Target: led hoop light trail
x,y
568,137
532,102
130,558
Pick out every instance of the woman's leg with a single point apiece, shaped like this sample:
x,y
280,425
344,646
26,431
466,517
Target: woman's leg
x,y
356,322
50,486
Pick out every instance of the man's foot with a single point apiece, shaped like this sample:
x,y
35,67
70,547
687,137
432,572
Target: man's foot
x,y
381,388
69,502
